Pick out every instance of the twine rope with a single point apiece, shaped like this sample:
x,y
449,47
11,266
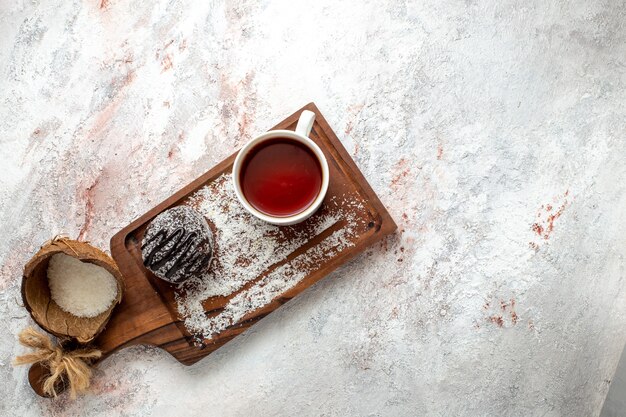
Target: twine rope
x,y
60,238
73,365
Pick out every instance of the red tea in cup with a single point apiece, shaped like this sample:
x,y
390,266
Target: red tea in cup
x,y
281,177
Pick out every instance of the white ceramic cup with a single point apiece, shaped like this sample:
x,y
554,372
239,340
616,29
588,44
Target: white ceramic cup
x,y
303,128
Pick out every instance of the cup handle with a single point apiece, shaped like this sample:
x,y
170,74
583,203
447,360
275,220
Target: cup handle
x,y
305,123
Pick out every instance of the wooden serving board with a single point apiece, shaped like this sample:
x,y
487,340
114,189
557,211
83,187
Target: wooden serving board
x,y
351,218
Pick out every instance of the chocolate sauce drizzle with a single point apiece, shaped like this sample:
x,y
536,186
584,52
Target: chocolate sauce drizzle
x,y
182,252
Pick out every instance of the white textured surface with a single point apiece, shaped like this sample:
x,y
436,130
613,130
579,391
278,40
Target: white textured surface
x,y
468,118
615,402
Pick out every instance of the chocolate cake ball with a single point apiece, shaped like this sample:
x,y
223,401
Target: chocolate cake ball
x,y
177,244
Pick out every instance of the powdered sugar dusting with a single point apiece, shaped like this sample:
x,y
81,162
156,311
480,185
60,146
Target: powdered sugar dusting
x,y
274,284
252,257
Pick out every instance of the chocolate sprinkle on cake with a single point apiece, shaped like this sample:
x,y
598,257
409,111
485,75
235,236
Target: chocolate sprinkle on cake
x,y
177,245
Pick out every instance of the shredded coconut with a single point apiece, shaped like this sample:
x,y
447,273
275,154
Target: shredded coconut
x,y
252,261
80,288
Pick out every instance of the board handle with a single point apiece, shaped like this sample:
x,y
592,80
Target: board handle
x,y
37,374
168,334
